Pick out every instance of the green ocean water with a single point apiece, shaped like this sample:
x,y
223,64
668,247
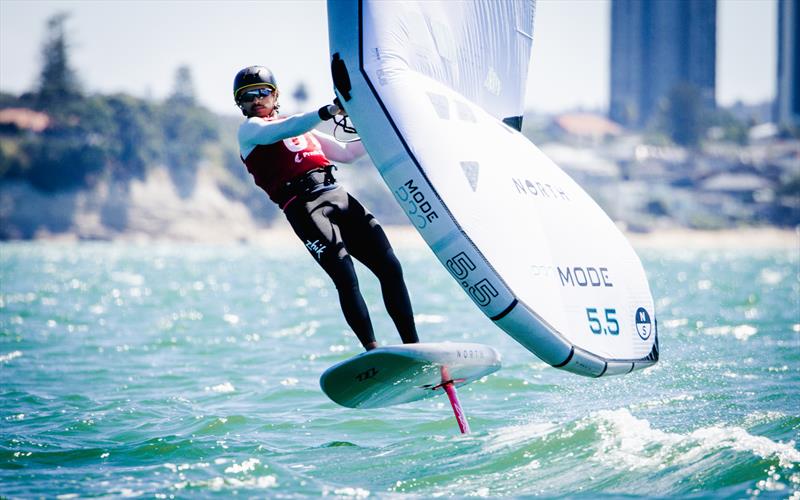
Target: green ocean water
x,y
190,371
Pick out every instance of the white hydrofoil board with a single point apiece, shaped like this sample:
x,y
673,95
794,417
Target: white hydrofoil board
x,y
398,374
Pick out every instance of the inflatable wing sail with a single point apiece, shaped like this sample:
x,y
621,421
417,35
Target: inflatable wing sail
x,y
435,90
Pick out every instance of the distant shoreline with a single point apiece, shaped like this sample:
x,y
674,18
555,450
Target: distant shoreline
x,y
728,239
407,236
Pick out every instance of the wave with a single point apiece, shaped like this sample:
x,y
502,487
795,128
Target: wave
x,y
616,452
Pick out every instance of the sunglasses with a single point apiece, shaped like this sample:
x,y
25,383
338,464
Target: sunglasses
x,y
252,95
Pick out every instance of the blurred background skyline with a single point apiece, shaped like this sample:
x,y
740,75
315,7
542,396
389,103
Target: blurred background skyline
x,y
116,118
136,47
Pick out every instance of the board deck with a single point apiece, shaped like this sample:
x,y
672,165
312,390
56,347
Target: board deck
x,y
399,374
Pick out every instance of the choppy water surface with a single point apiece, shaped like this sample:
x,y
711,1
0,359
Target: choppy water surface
x,y
172,370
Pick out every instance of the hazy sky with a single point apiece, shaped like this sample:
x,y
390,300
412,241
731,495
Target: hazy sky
x,y
136,46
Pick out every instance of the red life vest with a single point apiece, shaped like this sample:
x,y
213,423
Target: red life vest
x,y
274,165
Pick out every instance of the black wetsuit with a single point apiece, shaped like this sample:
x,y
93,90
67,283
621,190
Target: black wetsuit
x,y
334,226
289,163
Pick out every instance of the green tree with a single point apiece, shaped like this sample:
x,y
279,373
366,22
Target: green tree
x,y
57,82
733,129
73,152
682,115
183,90
186,129
126,129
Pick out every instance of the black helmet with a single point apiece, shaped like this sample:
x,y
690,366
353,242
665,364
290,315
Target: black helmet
x,y
250,77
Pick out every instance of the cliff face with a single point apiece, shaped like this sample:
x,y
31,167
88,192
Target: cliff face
x,y
103,167
151,208
109,167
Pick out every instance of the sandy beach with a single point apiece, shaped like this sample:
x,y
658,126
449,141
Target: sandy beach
x,y
744,238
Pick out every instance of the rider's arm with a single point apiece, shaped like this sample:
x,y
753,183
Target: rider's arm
x,y
258,131
345,152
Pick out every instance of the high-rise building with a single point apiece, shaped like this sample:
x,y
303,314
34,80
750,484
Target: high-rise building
x,y
787,104
656,45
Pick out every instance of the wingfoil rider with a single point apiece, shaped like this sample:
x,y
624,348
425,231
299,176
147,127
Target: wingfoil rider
x,y
290,161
